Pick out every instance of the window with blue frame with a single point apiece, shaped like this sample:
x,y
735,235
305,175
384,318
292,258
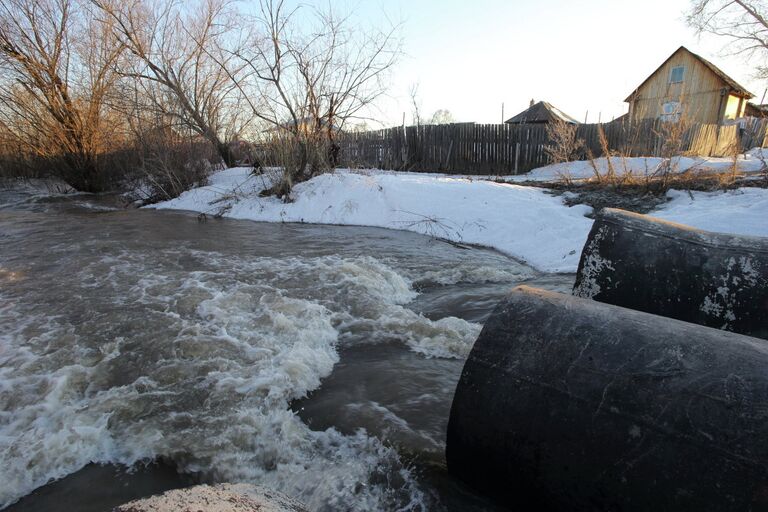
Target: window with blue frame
x,y
676,76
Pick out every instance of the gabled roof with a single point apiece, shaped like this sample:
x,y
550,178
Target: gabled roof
x,y
732,84
541,112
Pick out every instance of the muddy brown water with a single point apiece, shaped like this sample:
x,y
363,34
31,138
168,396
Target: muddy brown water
x,y
143,350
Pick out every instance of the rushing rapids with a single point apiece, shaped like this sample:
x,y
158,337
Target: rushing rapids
x,y
319,361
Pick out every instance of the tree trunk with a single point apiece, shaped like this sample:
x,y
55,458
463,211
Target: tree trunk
x,y
82,174
223,149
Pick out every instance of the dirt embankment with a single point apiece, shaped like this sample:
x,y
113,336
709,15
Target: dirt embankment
x,y
642,197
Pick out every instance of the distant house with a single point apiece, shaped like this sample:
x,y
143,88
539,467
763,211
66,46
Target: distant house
x,y
540,113
687,84
754,110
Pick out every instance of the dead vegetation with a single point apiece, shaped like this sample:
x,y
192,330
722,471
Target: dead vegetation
x,y
614,183
104,92
59,73
305,87
564,145
611,167
642,195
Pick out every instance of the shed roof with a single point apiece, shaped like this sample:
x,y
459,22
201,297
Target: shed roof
x,y
541,112
730,82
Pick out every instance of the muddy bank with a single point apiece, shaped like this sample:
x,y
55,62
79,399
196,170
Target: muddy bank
x,y
637,197
98,488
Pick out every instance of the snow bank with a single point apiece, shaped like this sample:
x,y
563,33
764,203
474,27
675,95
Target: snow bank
x,y
524,222
743,211
643,166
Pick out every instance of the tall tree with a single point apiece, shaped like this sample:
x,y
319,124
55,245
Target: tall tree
x,y
306,73
57,69
744,23
177,46
442,116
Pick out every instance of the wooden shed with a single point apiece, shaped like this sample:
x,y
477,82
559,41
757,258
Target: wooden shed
x,y
541,113
688,85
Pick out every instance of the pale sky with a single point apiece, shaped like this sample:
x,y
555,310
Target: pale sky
x,y
469,56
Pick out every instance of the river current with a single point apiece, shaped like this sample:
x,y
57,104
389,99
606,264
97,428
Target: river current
x,y
144,350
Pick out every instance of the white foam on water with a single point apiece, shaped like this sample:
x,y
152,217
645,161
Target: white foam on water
x,y
473,273
368,301
47,429
200,367
88,205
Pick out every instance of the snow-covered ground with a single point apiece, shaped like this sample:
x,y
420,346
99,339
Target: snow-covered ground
x,y
743,211
527,223
524,222
750,162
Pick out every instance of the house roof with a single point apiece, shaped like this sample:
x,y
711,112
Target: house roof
x,y
735,87
754,110
541,112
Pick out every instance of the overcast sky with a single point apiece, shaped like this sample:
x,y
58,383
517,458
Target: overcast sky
x,y
469,56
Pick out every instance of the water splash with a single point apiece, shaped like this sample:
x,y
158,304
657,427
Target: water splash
x,y
197,362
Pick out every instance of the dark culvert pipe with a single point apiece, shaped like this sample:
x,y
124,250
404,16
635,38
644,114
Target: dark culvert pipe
x,y
652,265
569,404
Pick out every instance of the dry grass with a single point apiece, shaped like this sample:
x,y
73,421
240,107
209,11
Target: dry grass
x,y
610,175
641,196
673,138
564,145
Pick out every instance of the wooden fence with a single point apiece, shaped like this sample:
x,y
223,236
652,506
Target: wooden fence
x,y
469,148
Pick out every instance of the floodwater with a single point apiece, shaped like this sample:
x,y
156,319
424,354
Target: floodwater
x,y
144,350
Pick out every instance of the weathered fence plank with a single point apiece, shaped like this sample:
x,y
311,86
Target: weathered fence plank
x,y
468,148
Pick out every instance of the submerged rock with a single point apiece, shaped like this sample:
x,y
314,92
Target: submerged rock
x,y
216,498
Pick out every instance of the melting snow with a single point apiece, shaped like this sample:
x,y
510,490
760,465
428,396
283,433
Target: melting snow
x,y
527,223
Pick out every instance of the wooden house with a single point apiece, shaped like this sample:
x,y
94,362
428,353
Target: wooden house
x,y
688,85
540,113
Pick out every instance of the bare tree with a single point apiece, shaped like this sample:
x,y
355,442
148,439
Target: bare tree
x,y
307,76
743,22
177,56
413,93
442,116
563,145
57,71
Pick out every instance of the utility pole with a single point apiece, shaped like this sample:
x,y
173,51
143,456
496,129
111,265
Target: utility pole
x,y
502,112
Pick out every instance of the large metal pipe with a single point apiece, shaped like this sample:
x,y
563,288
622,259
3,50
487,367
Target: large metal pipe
x,y
571,404
669,269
